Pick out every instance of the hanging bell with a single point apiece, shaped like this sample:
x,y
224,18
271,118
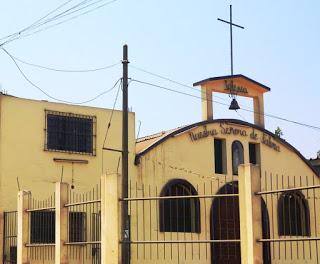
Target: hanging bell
x,y
234,105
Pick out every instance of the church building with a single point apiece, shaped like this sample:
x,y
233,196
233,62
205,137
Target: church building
x,y
202,160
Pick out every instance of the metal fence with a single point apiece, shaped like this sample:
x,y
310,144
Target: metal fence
x,y
41,239
181,223
84,225
290,208
10,237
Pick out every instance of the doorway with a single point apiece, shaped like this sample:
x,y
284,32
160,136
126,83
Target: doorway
x,y
225,225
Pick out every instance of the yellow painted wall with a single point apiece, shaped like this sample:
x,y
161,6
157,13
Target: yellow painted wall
x,y
22,155
180,157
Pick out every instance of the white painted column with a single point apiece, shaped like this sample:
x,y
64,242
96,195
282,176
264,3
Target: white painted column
x,y
250,214
110,219
23,227
61,224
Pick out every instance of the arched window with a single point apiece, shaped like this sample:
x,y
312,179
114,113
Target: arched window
x,y
179,214
237,156
293,215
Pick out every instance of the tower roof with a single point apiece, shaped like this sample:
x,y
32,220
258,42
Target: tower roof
x,y
244,85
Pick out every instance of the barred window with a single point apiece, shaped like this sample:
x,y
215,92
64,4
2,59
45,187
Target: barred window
x,y
42,227
77,226
13,255
179,214
70,132
293,215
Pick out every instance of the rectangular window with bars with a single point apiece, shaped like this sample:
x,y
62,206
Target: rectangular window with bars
x,y
69,132
43,227
77,226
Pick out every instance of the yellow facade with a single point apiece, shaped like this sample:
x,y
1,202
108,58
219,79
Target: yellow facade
x,y
22,154
188,153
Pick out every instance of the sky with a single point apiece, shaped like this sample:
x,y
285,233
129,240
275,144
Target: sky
x,y
182,41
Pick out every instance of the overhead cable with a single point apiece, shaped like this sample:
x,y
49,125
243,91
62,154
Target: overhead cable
x,y
243,109
65,70
55,98
37,21
111,115
171,80
180,84
32,29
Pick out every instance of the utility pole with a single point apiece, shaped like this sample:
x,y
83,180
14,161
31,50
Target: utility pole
x,y
125,221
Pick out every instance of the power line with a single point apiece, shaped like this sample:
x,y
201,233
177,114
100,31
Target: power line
x,y
65,13
65,70
244,109
37,21
52,97
68,13
111,116
179,83
72,11
171,80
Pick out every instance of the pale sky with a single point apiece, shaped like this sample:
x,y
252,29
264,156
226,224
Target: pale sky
x,y
181,40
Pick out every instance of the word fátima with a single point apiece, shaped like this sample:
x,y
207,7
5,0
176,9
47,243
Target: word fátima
x,y
233,88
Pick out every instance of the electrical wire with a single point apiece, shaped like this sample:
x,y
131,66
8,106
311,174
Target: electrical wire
x,y
171,80
111,116
37,21
68,13
69,19
71,11
65,70
181,84
65,13
243,109
52,97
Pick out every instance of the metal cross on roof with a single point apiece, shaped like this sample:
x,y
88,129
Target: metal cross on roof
x,y
231,39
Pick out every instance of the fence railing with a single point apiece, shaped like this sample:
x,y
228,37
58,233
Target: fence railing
x,y
84,225
291,205
41,235
181,222
65,227
276,217
10,237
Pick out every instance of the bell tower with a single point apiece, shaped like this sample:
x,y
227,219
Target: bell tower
x,y
238,85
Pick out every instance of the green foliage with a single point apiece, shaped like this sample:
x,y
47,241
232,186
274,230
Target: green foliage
x,y
278,132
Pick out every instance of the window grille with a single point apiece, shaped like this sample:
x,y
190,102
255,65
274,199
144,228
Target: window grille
x,y
293,215
67,132
77,226
42,227
13,254
179,215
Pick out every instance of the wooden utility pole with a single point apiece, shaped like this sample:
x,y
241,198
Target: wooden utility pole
x,y
125,230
